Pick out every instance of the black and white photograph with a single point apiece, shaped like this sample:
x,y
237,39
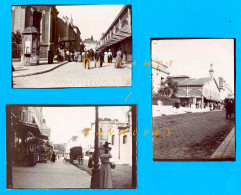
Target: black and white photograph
x,y
71,46
71,146
193,99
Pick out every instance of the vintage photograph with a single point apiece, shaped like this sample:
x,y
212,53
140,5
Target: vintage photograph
x,y
71,146
193,99
61,46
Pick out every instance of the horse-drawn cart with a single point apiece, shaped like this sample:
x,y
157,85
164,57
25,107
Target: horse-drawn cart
x,y
76,154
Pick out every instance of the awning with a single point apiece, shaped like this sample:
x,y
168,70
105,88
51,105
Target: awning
x,y
211,98
122,34
33,129
29,128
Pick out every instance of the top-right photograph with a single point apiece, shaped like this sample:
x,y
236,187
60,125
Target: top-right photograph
x,y
193,99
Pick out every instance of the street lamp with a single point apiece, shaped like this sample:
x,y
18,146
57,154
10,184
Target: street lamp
x,y
95,177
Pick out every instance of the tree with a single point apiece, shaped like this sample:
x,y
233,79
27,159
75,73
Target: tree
x,y
16,37
16,44
169,88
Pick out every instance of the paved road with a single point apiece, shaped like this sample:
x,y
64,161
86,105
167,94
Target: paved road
x,y
50,175
193,136
121,175
73,74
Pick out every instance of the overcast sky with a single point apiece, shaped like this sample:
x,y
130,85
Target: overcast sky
x,y
91,19
192,57
68,121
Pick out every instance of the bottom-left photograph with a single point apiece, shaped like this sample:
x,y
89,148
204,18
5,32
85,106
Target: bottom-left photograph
x,y
71,146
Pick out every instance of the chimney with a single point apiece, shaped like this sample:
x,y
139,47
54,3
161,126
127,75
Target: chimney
x,y
211,71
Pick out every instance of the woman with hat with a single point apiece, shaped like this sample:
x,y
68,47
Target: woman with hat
x,y
105,169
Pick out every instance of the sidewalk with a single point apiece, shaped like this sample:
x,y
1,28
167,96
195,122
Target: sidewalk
x,y
226,150
170,110
21,71
50,175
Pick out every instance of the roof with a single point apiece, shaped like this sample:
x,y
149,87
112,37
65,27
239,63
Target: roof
x,y
122,34
183,80
117,17
179,76
198,81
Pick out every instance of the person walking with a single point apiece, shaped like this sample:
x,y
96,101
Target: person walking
x,y
53,157
50,56
109,56
100,58
105,169
106,57
90,162
118,59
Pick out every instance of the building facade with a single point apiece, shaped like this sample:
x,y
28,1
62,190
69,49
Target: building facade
x,y
89,44
197,91
43,18
118,35
118,134
54,31
30,144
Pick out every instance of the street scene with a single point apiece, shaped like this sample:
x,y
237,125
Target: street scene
x,y
92,148
52,48
193,100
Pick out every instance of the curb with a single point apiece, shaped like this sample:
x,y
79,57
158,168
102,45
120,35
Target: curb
x,y
40,72
223,147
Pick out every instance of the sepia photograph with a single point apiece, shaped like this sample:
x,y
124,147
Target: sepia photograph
x,y
89,46
193,99
71,146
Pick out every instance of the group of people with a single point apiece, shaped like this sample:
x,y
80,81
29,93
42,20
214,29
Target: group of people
x,y
99,57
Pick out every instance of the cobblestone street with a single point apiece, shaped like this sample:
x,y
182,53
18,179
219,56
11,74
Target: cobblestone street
x,y
73,74
50,175
121,175
193,136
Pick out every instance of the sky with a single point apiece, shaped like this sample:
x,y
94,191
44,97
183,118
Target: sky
x,y
68,121
91,19
192,57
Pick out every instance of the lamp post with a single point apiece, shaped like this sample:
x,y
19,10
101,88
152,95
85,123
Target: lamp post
x,y
95,177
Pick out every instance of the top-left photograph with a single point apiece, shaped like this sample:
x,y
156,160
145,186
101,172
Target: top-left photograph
x,y
71,46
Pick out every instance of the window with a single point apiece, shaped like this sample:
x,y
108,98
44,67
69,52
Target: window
x,y
113,140
124,139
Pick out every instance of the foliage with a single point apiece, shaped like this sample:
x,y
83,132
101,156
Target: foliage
x,y
16,44
169,88
16,37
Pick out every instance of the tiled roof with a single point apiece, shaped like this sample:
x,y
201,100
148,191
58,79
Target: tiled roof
x,y
191,81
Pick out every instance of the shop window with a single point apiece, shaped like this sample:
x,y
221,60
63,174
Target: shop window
x,y
124,139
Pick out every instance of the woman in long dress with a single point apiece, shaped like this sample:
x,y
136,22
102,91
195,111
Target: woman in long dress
x,y
118,59
105,170
106,57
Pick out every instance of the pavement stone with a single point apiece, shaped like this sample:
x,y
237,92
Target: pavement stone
x,y
193,136
21,71
50,175
121,175
73,74
226,150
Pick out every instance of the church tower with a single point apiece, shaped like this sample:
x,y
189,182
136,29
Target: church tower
x,y
211,71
